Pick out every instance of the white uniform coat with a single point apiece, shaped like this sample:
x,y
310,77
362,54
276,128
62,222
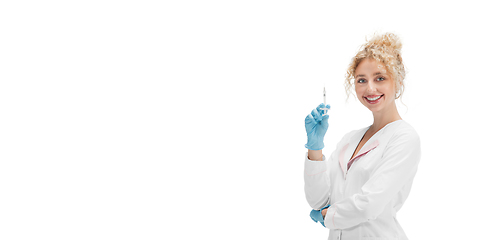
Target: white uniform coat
x,y
365,199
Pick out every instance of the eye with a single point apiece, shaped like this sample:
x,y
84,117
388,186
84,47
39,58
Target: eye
x,y
361,80
381,79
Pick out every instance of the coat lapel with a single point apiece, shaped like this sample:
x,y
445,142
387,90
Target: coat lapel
x,y
363,152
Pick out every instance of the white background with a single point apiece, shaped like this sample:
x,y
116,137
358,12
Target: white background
x,y
152,119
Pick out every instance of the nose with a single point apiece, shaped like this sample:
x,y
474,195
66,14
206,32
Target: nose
x,y
371,87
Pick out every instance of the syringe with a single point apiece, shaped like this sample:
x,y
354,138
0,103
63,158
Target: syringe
x,y
324,98
324,101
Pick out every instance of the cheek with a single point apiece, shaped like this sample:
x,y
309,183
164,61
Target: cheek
x,y
359,91
390,89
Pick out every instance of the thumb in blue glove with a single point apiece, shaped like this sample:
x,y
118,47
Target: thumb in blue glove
x,y
316,126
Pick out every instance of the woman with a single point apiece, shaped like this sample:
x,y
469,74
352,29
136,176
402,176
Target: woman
x,y
357,192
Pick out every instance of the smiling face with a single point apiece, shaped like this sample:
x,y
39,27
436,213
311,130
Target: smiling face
x,y
374,87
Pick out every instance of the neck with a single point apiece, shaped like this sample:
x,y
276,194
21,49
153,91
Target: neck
x,y
382,118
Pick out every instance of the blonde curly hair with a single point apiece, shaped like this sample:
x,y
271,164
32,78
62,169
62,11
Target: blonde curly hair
x,y
386,49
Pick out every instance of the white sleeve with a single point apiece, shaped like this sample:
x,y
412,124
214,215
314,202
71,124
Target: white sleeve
x,y
316,183
398,166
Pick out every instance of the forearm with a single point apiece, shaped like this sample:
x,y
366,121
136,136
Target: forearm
x,y
316,182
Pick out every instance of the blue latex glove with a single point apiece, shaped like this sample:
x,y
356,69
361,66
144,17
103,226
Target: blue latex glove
x,y
317,216
316,125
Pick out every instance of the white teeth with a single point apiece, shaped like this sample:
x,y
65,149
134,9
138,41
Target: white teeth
x,y
376,98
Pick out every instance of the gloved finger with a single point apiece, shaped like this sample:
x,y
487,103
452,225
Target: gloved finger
x,y
309,119
314,213
320,107
324,120
316,115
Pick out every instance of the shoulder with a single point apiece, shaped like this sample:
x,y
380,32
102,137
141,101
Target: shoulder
x,y
402,132
402,142
403,128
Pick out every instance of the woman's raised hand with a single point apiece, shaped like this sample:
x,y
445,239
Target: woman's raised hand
x,y
316,126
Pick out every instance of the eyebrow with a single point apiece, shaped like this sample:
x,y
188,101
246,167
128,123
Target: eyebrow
x,y
362,75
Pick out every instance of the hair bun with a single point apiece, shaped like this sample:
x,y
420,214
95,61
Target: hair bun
x,y
387,41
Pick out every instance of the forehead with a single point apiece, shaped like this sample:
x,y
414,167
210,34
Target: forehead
x,y
369,66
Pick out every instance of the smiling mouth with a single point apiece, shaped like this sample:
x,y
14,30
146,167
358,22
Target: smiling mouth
x,y
374,99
